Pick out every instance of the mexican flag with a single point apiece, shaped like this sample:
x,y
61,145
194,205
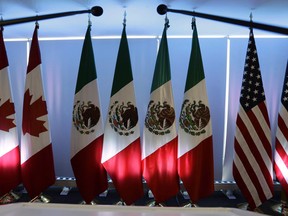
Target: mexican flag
x,y
87,128
122,151
159,152
9,144
37,164
195,152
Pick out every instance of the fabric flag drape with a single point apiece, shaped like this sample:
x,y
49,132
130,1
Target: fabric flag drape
x,y
252,164
87,128
281,144
159,151
9,144
37,164
122,150
195,145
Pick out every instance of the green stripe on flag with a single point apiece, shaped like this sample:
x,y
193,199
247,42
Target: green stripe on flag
x,y
162,73
87,69
123,70
195,70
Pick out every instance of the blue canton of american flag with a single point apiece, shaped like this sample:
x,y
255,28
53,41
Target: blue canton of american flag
x,y
284,97
252,92
252,163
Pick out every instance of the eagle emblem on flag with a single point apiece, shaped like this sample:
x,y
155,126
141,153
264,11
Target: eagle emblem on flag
x,y
123,117
160,117
194,117
85,116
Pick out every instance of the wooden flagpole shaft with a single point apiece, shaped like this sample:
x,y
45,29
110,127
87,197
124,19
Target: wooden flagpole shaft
x,y
163,9
96,11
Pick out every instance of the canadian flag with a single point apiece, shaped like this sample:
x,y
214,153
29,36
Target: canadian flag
x,y
37,164
9,144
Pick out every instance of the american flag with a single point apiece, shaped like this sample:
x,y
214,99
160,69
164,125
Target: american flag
x,y
252,164
281,144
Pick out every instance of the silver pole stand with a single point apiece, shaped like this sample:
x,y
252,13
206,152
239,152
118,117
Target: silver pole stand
x,y
282,207
40,199
93,202
120,203
9,197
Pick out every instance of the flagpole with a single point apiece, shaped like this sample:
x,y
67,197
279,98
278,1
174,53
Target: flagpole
x,y
96,11
163,9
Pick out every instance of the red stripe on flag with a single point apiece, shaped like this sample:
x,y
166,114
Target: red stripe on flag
x,y
278,172
124,169
42,164
10,171
196,170
91,177
244,190
253,147
264,111
281,179
249,168
258,127
160,171
282,126
281,151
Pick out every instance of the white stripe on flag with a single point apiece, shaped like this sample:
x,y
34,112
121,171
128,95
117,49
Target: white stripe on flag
x,y
282,140
284,115
254,133
247,180
282,166
254,164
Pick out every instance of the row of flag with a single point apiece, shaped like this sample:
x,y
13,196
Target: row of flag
x,y
253,156
159,159
33,164
115,150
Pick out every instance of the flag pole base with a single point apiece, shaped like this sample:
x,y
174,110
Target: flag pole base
x,y
229,194
16,196
155,204
120,203
281,208
40,199
190,205
9,197
245,206
93,202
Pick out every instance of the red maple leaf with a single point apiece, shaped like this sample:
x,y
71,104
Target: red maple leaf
x,y
31,112
6,109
